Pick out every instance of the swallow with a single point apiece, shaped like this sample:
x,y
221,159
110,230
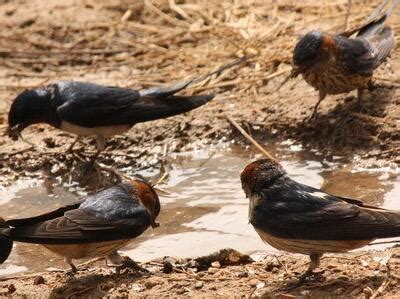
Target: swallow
x,y
339,63
301,219
96,226
88,109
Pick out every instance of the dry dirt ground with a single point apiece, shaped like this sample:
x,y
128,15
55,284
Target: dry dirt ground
x,y
224,274
139,44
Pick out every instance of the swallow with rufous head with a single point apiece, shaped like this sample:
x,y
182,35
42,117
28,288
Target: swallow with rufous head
x,y
301,219
339,63
97,226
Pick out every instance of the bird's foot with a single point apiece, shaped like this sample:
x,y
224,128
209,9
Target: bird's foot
x,y
82,267
308,276
128,263
70,273
374,85
308,119
73,271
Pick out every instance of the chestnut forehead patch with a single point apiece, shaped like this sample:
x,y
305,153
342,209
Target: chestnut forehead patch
x,y
328,42
249,174
145,193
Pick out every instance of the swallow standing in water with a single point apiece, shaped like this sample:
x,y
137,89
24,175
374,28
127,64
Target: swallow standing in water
x,y
336,63
301,219
88,109
96,227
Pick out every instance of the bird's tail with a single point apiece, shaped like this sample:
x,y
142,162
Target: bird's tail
x,y
376,21
6,243
173,89
152,108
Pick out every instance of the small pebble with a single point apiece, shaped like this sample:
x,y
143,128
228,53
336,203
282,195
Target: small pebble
x,y
150,284
137,287
11,288
193,264
305,293
212,270
216,264
368,292
364,263
167,267
38,280
107,286
260,285
254,282
180,291
199,285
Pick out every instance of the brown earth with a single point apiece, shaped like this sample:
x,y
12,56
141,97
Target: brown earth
x,y
225,274
146,43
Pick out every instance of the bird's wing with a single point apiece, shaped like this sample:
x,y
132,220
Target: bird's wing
x,y
44,217
373,43
92,105
375,22
363,55
111,214
79,226
293,210
381,44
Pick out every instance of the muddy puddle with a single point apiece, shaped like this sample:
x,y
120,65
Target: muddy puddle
x,y
205,209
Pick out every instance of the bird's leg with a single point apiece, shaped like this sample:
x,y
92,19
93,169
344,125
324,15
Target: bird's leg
x,y
314,263
360,93
370,85
322,96
100,144
123,262
70,148
73,267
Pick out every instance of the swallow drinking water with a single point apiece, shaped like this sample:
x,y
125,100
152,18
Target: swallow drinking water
x,y
337,63
97,226
301,219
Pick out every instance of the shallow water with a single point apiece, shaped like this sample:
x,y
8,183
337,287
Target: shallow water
x,y
206,209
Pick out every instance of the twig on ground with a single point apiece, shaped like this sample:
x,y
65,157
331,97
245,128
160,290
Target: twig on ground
x,y
251,139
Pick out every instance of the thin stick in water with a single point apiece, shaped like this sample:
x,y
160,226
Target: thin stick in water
x,y
251,139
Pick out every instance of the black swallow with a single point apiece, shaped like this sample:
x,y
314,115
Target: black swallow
x,y
301,219
88,109
336,63
97,226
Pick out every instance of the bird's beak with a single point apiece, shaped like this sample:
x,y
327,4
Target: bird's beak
x,y
154,224
295,71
